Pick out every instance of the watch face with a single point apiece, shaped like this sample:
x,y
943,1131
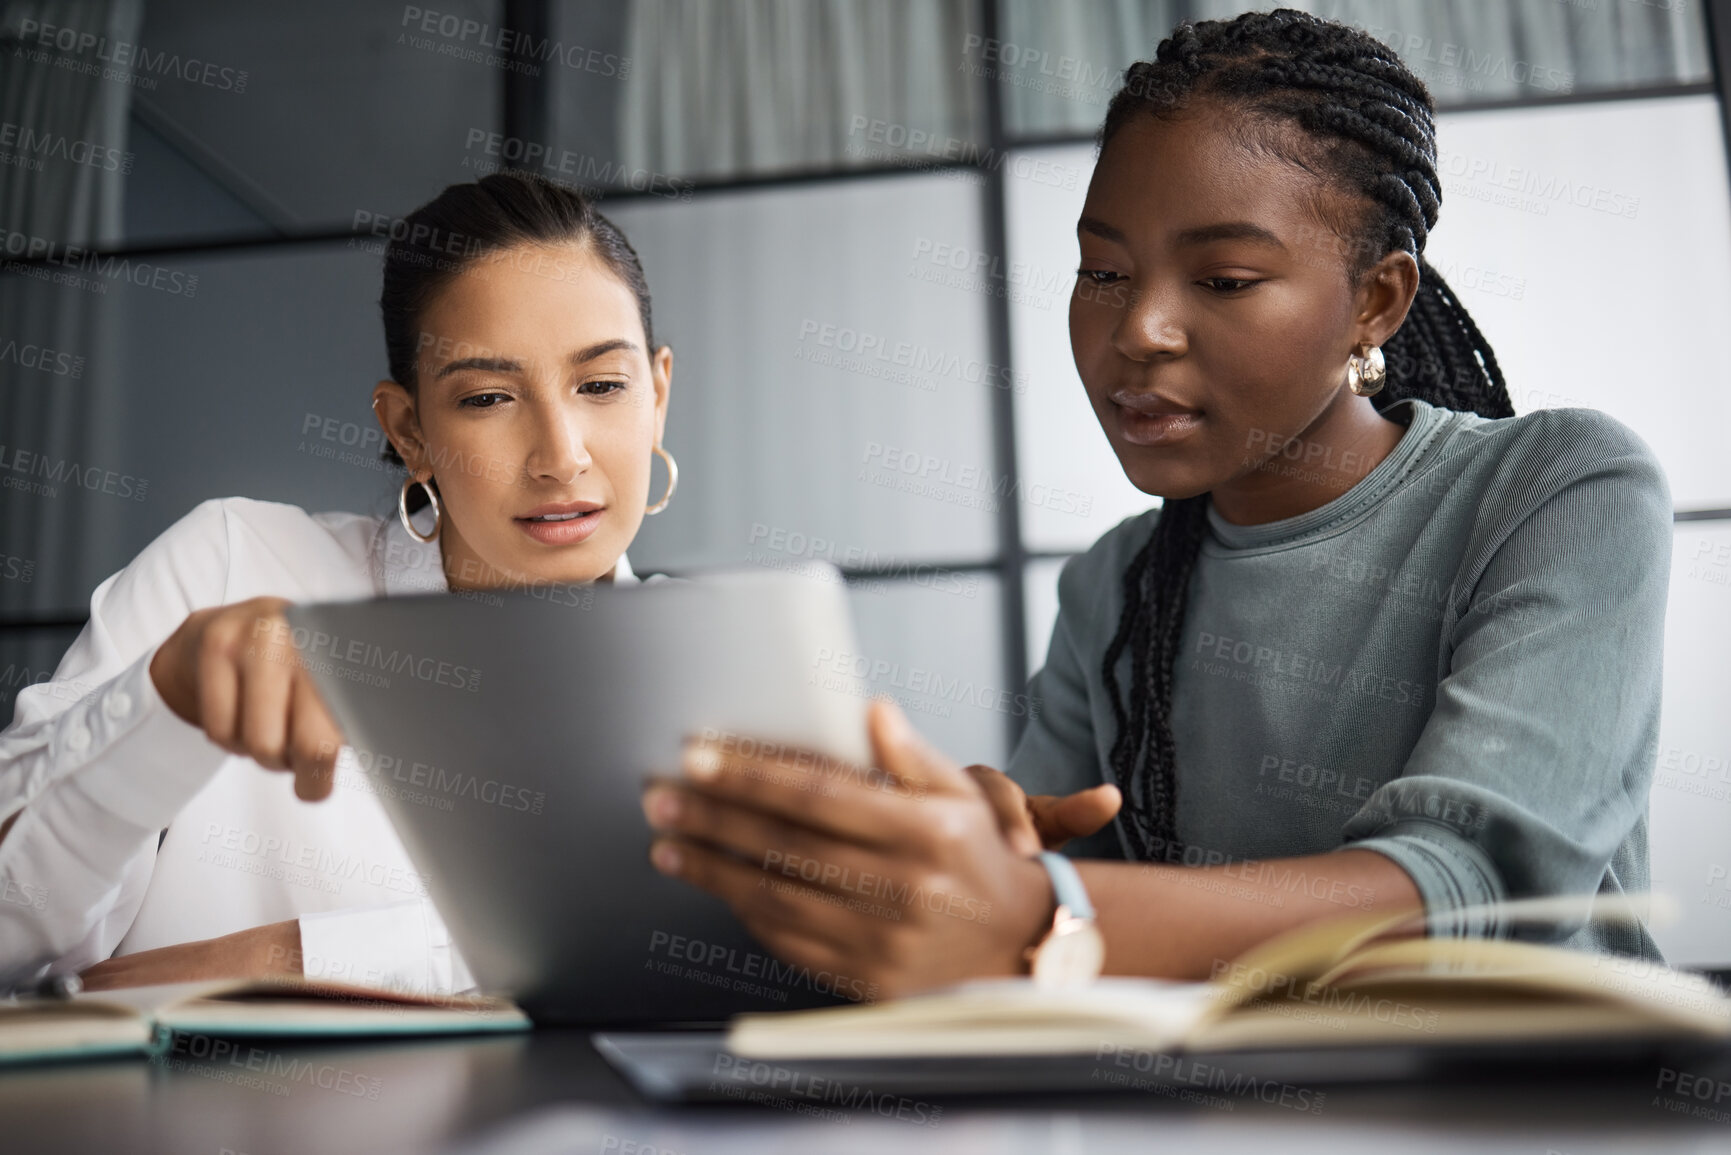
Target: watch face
x,y
1071,956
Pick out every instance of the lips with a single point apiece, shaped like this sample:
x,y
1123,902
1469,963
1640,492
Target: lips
x,y
1150,404
560,510
561,523
1148,419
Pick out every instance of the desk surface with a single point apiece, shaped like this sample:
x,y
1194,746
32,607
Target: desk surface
x,y
552,1092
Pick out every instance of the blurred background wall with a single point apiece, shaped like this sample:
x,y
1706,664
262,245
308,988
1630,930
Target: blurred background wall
x,y
858,225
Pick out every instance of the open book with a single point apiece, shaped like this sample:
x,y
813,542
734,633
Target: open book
x,y
1359,980
143,1020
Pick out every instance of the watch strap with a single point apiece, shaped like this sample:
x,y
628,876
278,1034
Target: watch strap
x,y
1067,884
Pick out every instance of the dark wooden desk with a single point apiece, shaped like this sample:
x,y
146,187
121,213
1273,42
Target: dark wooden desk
x,y
463,1093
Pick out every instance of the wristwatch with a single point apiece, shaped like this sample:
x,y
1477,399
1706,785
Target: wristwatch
x,y
1072,953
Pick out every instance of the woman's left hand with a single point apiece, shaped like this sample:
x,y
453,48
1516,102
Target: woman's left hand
x,y
897,875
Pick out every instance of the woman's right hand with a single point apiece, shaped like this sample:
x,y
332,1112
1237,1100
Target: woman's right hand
x,y
233,671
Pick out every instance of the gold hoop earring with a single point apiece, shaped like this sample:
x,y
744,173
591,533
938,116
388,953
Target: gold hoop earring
x,y
1366,372
403,509
672,482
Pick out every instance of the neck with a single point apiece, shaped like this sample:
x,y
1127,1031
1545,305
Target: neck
x,y
1327,458
467,570
463,569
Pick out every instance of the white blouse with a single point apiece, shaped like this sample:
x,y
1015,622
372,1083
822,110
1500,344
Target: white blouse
x,y
136,831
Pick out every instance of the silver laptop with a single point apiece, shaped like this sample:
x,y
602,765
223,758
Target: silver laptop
x,y
509,735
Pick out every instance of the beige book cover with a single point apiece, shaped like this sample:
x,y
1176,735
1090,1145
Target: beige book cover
x,y
1357,980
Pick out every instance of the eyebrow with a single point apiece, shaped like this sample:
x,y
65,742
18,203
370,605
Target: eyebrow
x,y
600,348
488,364
1229,231
1201,235
1102,230
507,365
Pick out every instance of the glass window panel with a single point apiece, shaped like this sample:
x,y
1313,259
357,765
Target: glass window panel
x,y
349,108
169,197
795,443
1690,812
1561,229
29,656
238,388
736,87
1060,60
234,118
1040,597
1063,456
62,382
1592,244
279,412
826,401
938,650
585,99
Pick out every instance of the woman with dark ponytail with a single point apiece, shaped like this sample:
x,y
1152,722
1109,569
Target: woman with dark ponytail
x,y
526,400
1383,643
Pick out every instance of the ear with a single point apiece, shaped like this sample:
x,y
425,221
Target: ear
x,y
1385,293
661,372
394,406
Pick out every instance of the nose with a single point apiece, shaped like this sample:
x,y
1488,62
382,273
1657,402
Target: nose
x,y
1150,325
559,451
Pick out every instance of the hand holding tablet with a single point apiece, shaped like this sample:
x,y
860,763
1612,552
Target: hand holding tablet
x,y
909,873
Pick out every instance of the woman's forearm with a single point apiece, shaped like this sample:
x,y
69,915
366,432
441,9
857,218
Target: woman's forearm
x,y
1181,921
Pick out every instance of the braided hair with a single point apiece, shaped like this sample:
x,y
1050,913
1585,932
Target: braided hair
x,y
1367,123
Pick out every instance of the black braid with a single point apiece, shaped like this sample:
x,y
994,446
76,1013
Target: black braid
x,y
1371,124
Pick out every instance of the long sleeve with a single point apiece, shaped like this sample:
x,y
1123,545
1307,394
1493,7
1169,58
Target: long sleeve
x,y
1534,766
95,764
401,946
1056,751
133,831
1456,664
1061,751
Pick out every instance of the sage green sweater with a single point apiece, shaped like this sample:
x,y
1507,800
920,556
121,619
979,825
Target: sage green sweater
x,y
1456,664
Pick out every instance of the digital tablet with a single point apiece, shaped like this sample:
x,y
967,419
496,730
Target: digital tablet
x,y
508,736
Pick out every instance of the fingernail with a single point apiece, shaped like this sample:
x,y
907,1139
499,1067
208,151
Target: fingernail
x,y
702,761
665,856
661,806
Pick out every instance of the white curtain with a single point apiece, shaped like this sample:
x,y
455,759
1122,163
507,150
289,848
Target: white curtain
x,y
750,86
1518,47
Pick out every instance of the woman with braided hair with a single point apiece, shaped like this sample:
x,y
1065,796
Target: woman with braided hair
x,y
1382,643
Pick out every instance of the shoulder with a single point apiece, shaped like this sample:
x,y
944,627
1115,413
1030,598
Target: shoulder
x,y
238,520
1588,439
219,552
1569,488
1113,549
1560,442
1529,460
1090,587
230,548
